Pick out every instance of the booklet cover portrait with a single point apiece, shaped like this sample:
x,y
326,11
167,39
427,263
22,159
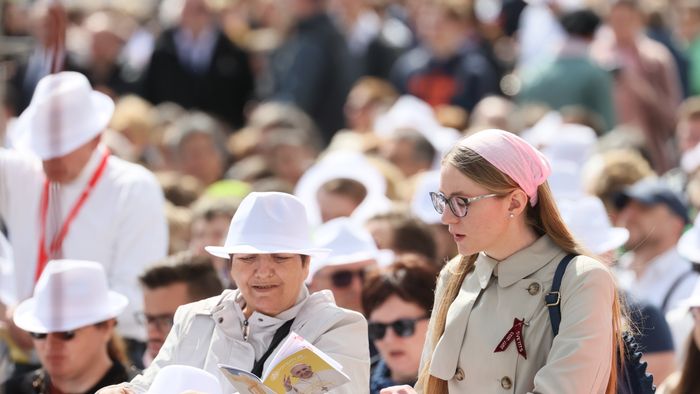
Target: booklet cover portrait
x,y
298,368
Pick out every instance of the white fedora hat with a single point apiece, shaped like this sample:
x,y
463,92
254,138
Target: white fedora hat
x,y
421,203
64,114
176,379
69,294
566,181
689,244
270,222
348,242
588,220
350,165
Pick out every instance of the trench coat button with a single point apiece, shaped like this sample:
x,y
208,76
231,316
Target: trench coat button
x,y
459,374
534,288
506,383
221,320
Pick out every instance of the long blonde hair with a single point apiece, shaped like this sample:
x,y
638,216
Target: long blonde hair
x,y
544,218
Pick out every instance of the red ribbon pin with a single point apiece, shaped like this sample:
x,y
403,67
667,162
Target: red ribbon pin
x,y
514,334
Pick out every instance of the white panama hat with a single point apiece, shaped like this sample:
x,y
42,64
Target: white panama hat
x,y
69,294
349,242
588,220
175,379
269,222
350,165
64,114
565,180
689,244
421,203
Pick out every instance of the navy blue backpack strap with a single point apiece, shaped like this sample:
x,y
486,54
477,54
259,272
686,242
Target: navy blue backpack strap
x,y
553,298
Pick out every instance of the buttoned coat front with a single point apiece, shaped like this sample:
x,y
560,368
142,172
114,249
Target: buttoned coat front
x,y
495,293
211,331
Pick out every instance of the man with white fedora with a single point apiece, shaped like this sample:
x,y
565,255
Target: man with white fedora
x,y
62,195
270,249
71,318
353,253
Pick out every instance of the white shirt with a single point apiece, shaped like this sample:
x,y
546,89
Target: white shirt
x,y
121,225
656,281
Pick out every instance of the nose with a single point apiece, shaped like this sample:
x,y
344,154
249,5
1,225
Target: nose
x,y
447,217
265,266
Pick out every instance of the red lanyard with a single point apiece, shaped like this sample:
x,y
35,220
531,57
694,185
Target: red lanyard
x,y
58,239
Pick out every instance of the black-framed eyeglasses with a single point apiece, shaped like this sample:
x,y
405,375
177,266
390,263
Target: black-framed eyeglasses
x,y
458,205
402,328
63,335
162,322
343,278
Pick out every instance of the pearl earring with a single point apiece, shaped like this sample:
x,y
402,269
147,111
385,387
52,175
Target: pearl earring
x,y
511,215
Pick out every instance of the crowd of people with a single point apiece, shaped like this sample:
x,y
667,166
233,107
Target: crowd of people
x,y
186,182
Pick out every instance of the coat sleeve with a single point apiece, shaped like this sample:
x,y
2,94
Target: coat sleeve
x,y
581,353
347,343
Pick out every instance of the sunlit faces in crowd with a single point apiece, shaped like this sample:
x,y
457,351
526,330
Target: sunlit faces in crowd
x,y
160,304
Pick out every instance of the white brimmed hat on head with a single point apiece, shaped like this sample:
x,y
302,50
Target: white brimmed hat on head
x,y
270,222
689,244
176,379
421,203
69,294
588,220
348,242
64,114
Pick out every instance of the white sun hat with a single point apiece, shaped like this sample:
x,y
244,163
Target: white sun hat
x,y
64,114
571,142
566,180
269,222
588,220
176,379
69,294
689,244
349,242
350,165
421,203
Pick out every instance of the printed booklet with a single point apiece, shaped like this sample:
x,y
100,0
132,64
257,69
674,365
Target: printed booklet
x,y
298,368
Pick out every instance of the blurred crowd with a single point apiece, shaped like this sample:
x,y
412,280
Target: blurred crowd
x,y
350,105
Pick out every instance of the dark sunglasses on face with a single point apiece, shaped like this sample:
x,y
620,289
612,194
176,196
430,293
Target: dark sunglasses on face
x,y
63,335
343,278
458,205
402,328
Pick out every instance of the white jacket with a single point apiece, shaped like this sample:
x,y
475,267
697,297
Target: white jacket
x,y
210,332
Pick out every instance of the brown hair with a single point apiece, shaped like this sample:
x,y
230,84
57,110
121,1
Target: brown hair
x,y
544,218
690,380
350,188
410,277
197,272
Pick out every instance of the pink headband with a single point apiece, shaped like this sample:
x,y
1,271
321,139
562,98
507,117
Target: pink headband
x,y
513,156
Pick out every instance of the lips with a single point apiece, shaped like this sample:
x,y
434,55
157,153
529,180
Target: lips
x,y
264,287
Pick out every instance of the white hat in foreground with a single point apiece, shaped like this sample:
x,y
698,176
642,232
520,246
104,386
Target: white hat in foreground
x,y
64,114
270,222
69,294
176,379
588,220
689,244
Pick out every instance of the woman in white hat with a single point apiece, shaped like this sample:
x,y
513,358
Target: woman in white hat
x,y
270,248
71,320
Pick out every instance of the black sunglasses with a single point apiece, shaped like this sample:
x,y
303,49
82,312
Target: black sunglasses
x,y
64,335
343,278
402,328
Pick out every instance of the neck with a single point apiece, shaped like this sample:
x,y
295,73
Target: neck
x,y
87,378
403,378
519,236
647,252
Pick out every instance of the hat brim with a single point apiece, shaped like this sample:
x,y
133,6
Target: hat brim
x,y
613,239
688,245
26,318
24,137
226,251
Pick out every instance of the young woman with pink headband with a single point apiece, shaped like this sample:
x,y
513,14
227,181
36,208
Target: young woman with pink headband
x,y
490,329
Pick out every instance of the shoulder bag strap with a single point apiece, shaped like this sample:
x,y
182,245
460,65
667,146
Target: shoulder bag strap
x,y
553,298
280,334
673,288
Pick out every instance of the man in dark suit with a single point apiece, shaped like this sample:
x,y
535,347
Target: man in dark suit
x,y
195,65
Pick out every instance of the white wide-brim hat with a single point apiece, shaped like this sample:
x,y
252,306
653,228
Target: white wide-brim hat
x,y
69,294
175,379
689,244
588,221
349,165
64,114
421,203
270,222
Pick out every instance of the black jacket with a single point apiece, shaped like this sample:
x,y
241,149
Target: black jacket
x,y
39,382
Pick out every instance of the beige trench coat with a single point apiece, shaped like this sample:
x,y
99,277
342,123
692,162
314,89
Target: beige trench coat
x,y
209,332
577,361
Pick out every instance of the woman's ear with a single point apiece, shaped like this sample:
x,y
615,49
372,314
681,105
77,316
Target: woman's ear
x,y
518,202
